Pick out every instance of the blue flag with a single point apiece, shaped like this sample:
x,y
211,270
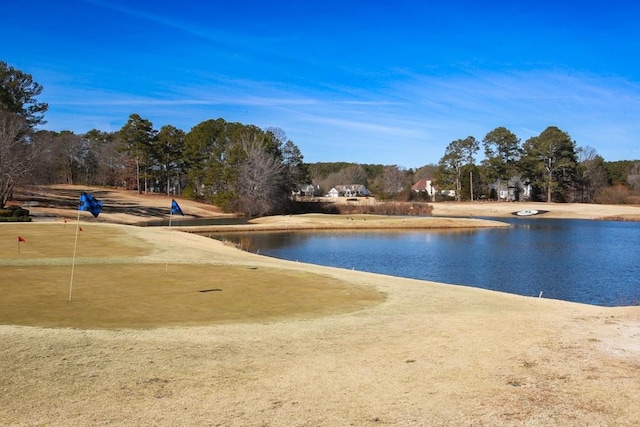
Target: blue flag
x,y
90,203
175,208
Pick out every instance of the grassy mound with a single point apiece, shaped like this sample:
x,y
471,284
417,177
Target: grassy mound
x,y
114,287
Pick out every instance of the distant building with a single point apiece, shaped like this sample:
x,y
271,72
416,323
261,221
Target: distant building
x,y
425,185
308,190
512,190
333,193
352,190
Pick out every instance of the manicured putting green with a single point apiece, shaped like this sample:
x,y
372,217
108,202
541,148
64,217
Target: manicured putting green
x,y
145,296
126,293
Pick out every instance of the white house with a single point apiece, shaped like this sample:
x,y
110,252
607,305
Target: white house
x,y
333,192
307,190
352,190
425,185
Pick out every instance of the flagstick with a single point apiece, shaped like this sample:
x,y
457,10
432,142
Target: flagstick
x,y
18,245
73,263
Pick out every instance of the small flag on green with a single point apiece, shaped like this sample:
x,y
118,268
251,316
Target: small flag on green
x,y
175,208
90,203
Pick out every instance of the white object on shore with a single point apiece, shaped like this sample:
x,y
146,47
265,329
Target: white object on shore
x,y
540,296
527,212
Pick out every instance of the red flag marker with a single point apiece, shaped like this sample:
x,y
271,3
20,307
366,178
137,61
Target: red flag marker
x,y
81,229
21,239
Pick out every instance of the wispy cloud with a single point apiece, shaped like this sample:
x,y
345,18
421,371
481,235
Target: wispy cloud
x,y
166,21
395,87
423,113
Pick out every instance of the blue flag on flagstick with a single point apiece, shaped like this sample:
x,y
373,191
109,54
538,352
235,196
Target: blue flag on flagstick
x,y
175,208
90,203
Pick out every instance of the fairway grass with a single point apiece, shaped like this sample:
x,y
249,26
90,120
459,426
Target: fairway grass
x,y
113,287
56,241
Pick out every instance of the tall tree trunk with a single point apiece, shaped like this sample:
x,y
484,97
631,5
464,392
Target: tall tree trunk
x,y
549,185
458,185
549,178
138,175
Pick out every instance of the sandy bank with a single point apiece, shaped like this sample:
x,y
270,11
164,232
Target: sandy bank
x,y
346,222
551,210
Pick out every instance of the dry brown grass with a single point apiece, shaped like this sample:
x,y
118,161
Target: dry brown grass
x,y
429,354
383,208
347,223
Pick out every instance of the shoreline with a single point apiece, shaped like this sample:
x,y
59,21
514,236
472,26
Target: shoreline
x,y
551,210
310,222
429,354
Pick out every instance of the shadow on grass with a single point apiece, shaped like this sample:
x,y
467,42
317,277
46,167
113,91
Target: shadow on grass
x,y
57,198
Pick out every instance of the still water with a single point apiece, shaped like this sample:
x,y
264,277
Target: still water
x,y
593,262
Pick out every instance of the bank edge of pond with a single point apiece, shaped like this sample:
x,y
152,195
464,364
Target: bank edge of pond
x,y
346,223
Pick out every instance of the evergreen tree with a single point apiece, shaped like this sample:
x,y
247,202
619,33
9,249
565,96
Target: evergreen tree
x,y
549,161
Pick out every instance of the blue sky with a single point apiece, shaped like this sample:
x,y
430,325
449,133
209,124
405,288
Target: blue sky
x,y
356,81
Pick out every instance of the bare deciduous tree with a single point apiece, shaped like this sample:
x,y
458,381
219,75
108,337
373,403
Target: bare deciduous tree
x,y
17,155
591,174
107,160
261,179
394,180
634,176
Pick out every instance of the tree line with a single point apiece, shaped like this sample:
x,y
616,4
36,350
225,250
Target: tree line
x,y
596,181
548,167
235,166
243,168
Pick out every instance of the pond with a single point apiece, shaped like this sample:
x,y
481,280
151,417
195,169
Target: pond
x,y
592,262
